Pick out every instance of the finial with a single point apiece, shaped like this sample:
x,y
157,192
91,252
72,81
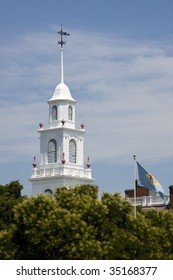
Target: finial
x,y
63,122
62,33
88,163
63,158
41,125
34,163
82,126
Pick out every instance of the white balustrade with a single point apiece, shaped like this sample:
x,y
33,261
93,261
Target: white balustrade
x,y
148,201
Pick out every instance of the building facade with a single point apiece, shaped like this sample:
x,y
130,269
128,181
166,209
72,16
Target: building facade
x,y
61,143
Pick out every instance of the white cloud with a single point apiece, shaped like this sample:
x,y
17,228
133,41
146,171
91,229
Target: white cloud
x,y
124,89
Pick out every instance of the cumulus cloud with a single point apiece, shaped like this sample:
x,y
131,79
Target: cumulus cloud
x,y
123,88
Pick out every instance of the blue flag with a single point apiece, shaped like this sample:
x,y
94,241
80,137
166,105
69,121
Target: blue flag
x,y
148,181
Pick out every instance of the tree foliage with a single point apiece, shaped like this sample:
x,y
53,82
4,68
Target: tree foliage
x,y
10,195
75,224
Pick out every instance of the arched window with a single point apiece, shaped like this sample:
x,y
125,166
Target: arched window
x,y
70,113
52,151
72,151
48,191
54,113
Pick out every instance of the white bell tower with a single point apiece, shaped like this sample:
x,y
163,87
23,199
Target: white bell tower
x,y
61,144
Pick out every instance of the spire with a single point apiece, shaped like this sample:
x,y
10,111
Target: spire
x,y
62,33
62,91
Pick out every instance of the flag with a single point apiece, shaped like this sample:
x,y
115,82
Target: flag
x,y
148,181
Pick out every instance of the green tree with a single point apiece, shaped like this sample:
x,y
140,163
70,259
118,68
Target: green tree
x,y
44,230
10,195
161,223
75,224
116,232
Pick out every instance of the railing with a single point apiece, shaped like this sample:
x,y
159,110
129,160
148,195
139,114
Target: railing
x,y
61,170
148,201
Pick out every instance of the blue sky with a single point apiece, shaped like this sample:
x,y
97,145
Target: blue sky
x,y
118,66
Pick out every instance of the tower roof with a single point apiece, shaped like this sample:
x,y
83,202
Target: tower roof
x,y
61,92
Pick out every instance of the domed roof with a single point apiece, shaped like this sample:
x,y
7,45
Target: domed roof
x,y
61,92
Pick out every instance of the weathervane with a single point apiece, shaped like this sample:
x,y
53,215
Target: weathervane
x,y
62,33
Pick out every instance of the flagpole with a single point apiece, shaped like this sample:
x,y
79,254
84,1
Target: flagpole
x,y
135,183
